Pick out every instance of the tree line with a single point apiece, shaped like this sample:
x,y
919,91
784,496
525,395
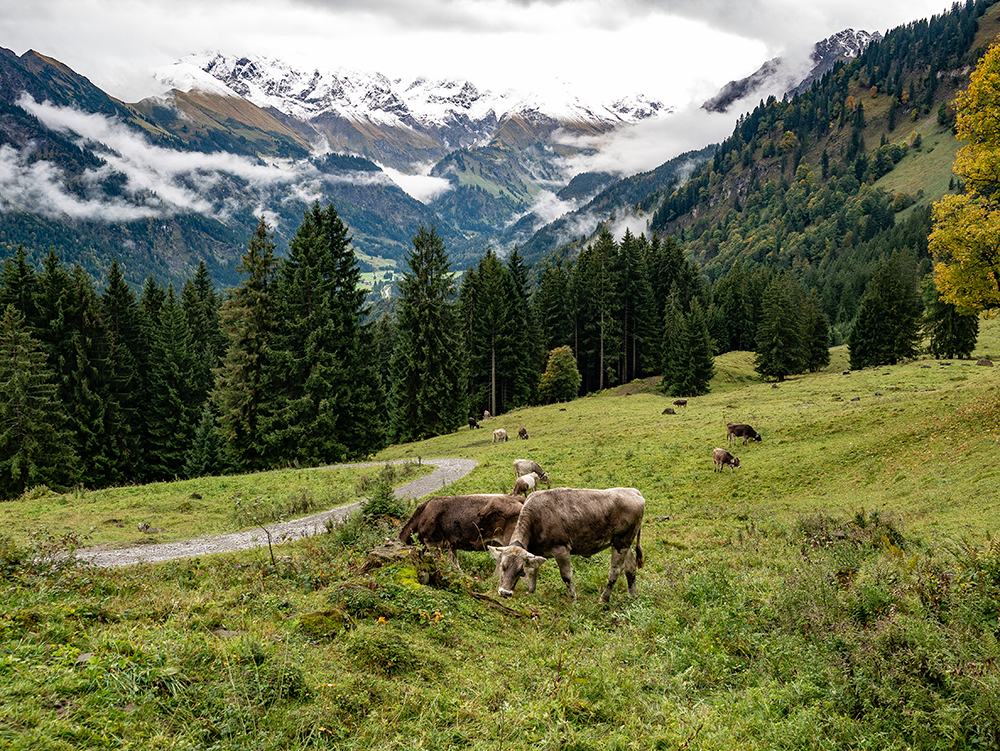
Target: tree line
x,y
287,368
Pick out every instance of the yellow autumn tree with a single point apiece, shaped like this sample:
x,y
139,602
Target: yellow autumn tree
x,y
965,240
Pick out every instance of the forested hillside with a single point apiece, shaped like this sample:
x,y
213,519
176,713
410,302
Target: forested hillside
x,y
828,182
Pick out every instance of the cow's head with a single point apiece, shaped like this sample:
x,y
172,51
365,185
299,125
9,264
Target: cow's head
x,y
735,462
514,562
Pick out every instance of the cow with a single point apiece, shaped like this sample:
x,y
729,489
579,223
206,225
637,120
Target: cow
x,y
525,484
463,522
680,402
722,458
561,522
499,435
739,430
473,424
524,466
523,434
486,415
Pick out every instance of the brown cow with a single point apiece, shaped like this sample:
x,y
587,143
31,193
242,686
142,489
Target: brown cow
x,y
722,458
523,434
463,522
740,430
524,466
563,521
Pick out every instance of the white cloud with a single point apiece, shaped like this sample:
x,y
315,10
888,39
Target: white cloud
x,y
423,187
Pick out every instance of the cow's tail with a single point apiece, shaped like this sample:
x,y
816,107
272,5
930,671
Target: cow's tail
x,y
638,547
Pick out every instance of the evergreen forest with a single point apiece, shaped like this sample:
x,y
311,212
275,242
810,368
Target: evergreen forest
x,y
785,242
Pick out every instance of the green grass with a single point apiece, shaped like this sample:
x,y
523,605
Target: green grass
x,y
840,590
188,508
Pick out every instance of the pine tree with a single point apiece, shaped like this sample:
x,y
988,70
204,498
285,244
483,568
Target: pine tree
x,y
19,287
816,333
492,337
326,402
205,457
201,305
595,288
639,355
952,333
174,403
551,306
427,368
128,357
694,377
887,327
780,349
35,448
242,392
530,357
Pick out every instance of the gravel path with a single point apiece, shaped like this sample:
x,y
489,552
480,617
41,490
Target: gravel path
x,y
448,471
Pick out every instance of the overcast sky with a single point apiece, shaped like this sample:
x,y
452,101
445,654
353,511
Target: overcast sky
x,y
675,50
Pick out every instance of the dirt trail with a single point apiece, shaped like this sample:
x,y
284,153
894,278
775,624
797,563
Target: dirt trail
x,y
448,471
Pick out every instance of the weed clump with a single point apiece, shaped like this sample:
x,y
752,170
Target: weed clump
x,y
380,650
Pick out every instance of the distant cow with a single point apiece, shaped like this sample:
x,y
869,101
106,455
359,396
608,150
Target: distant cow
x,y
722,458
525,484
739,430
463,522
473,424
486,415
524,466
499,435
563,521
523,434
680,402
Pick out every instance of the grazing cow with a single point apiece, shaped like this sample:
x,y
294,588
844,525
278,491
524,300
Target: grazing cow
x,y
523,434
680,402
722,458
463,522
486,415
563,521
499,435
524,466
739,430
525,484
473,424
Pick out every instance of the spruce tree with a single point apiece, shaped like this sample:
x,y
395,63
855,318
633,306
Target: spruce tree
x,y
595,286
639,356
816,333
551,306
694,376
780,349
205,457
887,327
952,333
35,447
128,357
19,287
201,305
174,404
325,389
242,394
427,368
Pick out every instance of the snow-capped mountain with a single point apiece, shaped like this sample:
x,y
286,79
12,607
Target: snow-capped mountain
x,y
357,95
779,76
455,111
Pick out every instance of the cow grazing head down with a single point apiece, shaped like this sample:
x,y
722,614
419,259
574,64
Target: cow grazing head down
x,y
525,484
514,563
735,431
499,435
722,458
563,521
523,434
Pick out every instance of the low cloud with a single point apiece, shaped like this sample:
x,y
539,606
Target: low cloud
x,y
160,182
422,187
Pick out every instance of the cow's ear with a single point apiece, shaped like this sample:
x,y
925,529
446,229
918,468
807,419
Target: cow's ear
x,y
497,553
534,560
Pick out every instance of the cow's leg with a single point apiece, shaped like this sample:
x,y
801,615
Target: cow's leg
x,y
618,559
565,568
630,571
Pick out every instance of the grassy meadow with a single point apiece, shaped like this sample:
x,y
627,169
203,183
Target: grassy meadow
x,y
840,590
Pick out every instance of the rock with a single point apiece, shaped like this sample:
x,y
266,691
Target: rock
x,y
984,361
